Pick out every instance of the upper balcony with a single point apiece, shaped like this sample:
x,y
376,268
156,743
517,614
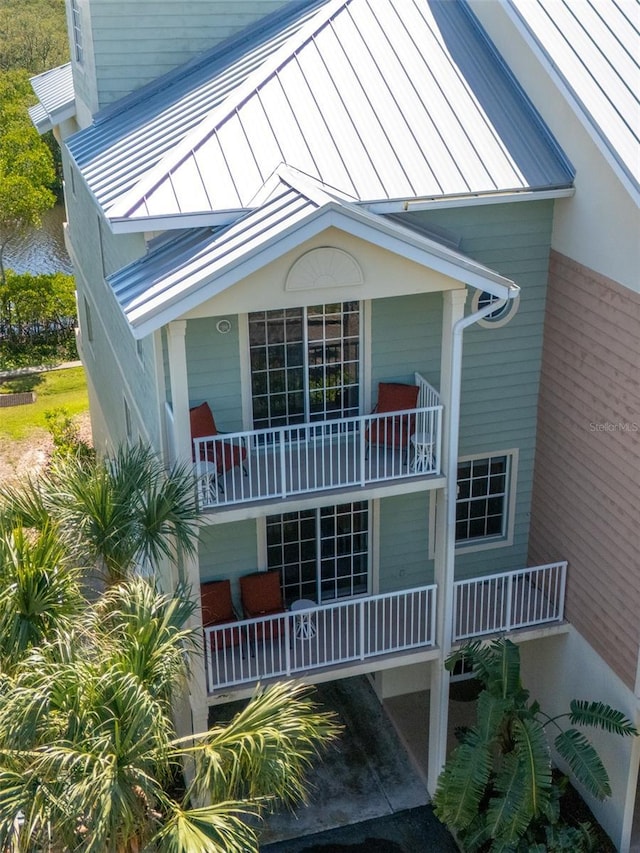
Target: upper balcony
x,y
337,454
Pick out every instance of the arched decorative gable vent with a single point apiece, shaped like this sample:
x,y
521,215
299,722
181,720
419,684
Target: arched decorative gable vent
x,y
325,267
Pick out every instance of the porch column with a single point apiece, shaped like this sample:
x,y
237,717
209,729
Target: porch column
x,y
179,388
453,311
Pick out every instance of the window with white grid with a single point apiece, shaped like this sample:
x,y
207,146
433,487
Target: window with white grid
x,y
483,498
76,25
304,364
322,554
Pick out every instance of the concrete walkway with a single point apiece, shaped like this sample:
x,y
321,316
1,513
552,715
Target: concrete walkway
x,y
367,777
42,368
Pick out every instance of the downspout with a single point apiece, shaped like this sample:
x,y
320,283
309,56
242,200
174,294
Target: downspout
x,y
452,457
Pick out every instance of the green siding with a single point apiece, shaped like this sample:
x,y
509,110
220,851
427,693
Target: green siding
x,y
501,367
134,43
404,561
228,551
406,336
213,370
112,359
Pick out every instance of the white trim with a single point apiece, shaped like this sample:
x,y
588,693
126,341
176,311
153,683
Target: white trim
x,y
509,309
366,314
175,221
245,372
439,203
374,546
506,539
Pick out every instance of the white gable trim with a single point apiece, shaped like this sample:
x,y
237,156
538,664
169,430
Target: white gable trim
x,y
154,313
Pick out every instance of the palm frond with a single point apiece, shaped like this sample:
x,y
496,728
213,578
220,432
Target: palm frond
x,y
507,815
462,783
601,715
218,828
584,762
534,757
490,711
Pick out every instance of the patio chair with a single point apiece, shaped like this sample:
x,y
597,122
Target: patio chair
x,y
261,595
218,609
222,456
393,432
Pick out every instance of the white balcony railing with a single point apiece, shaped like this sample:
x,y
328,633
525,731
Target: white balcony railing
x,y
328,635
494,604
293,460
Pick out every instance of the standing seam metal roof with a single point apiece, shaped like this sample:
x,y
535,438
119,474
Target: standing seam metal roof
x,y
383,99
594,49
181,272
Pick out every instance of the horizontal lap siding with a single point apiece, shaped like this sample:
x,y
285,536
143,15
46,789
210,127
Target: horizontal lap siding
x,y
405,333
587,484
112,358
500,375
404,559
228,551
133,43
213,361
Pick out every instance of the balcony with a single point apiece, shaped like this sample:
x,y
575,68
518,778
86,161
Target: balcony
x,y
272,464
352,631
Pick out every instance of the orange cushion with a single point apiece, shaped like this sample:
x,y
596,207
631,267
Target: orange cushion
x,y
261,593
217,605
396,396
202,422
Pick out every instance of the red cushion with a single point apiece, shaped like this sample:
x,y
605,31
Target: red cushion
x,y
217,605
396,396
261,593
202,421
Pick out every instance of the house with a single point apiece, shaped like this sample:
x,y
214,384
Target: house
x,y
287,221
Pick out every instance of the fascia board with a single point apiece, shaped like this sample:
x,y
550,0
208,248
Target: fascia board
x,y
174,222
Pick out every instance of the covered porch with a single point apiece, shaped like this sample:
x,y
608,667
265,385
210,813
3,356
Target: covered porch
x,y
366,631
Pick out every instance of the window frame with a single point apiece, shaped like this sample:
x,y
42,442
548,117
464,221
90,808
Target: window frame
x,y
505,538
317,519
76,28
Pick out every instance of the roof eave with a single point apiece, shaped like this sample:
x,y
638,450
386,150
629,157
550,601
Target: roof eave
x,y
476,199
174,221
389,236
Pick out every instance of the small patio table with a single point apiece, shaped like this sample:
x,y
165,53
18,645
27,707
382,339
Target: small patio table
x,y
304,627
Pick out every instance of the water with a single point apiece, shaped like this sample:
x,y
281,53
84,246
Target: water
x,y
41,250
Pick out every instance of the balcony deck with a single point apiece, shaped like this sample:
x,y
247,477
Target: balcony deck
x,y
272,464
344,633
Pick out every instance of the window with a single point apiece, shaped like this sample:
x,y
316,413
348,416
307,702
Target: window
x,y
499,317
87,320
482,506
127,420
322,554
304,364
76,25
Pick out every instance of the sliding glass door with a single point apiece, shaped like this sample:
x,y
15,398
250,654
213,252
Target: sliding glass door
x,y
322,554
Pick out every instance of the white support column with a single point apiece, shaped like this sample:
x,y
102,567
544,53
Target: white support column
x,y
453,311
179,388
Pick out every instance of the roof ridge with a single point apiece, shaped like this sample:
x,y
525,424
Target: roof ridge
x,y
225,109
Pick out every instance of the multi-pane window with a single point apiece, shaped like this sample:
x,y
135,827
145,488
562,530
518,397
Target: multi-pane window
x,y
304,364
482,503
76,26
322,554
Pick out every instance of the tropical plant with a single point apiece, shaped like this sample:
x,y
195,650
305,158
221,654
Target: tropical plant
x,y
497,790
113,514
89,758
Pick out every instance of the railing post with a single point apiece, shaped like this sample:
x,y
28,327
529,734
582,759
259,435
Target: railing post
x,y
363,451
362,635
563,581
283,465
432,627
509,601
287,643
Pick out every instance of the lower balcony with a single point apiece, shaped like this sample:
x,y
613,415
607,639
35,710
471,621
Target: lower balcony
x,y
348,632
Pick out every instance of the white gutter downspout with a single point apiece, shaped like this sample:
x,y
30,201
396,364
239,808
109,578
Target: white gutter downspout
x,y
446,600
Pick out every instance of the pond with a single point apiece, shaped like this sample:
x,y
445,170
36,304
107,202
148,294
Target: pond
x,y
41,250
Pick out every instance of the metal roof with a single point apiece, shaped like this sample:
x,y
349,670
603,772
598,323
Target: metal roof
x,y
592,48
180,273
382,99
56,96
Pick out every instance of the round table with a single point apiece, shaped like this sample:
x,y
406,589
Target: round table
x,y
422,453
304,627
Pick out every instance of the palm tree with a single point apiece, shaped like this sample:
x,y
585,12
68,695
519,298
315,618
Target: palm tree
x,y
497,790
89,758
112,514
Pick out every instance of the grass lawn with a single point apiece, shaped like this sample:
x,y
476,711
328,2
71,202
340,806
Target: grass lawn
x,y
54,389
